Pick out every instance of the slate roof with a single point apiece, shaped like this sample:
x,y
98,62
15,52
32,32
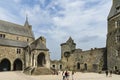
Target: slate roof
x,y
13,43
113,11
69,41
38,45
13,28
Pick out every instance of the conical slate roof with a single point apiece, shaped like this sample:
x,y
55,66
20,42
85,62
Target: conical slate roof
x,y
70,40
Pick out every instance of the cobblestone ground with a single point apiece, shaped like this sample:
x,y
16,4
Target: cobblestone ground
x,y
77,76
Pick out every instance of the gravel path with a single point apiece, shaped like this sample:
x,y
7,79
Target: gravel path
x,y
77,76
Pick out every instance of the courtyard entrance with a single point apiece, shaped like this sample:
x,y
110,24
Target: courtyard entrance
x,y
5,65
41,60
78,65
85,66
17,65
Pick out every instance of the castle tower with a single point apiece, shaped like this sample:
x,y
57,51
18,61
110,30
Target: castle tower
x,y
113,37
67,47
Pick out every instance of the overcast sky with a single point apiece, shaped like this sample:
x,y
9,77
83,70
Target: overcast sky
x,y
84,20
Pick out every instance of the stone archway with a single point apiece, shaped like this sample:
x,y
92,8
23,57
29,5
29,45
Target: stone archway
x,y
78,65
41,60
17,65
5,65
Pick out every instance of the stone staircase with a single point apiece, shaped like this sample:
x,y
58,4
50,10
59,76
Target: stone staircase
x,y
28,70
38,71
42,71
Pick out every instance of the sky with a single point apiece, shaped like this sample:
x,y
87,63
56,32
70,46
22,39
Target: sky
x,y
84,20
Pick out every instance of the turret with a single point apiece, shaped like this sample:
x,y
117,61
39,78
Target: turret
x,y
69,46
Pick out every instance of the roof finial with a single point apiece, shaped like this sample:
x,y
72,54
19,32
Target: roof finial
x,y
26,17
26,22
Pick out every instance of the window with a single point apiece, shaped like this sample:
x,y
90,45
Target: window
x,y
27,40
2,35
18,51
116,68
53,66
85,65
78,65
117,38
117,24
116,53
118,9
81,56
60,66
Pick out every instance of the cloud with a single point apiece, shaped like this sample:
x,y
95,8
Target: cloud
x,y
17,1
84,20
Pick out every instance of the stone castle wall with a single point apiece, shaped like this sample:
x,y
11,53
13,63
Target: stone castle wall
x,y
113,43
17,37
90,60
10,53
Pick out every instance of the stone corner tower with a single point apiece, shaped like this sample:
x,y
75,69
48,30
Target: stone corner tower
x,y
67,47
113,37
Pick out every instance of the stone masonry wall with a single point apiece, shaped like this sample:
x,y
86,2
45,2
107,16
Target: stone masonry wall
x,y
113,45
14,37
10,53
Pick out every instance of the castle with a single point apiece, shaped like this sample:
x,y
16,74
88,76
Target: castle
x,y
20,51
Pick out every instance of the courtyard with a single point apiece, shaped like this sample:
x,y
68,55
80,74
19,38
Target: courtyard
x,y
17,75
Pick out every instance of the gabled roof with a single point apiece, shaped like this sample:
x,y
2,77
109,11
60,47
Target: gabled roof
x,y
38,45
12,43
13,28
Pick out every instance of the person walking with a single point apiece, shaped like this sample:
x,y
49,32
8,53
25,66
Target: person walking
x,y
106,73
67,75
63,75
110,73
72,75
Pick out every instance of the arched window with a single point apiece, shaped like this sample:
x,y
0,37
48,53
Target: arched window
x,y
60,66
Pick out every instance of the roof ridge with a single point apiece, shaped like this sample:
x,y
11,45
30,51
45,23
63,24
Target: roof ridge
x,y
17,25
14,28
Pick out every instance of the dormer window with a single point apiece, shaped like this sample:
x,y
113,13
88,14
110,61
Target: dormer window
x,y
118,8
